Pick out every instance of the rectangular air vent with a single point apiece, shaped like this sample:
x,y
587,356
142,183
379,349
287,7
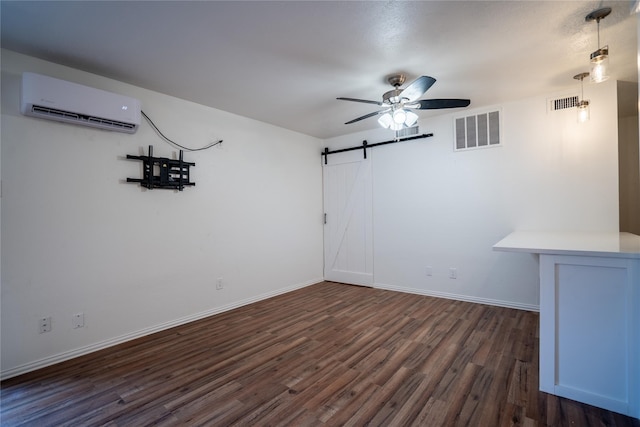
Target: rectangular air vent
x,y
563,103
477,131
46,112
403,133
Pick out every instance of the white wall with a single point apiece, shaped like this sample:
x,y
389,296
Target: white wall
x,y
77,238
436,207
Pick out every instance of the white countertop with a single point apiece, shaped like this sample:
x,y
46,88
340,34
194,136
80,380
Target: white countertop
x,y
609,244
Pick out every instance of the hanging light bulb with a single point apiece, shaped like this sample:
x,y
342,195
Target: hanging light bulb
x,y
399,116
600,58
582,105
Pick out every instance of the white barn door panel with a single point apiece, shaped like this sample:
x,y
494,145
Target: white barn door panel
x,y
348,229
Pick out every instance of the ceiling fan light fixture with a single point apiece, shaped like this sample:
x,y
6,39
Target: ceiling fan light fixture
x,y
385,120
398,103
411,119
399,116
399,119
397,126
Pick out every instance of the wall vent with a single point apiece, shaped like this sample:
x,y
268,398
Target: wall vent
x,y
563,103
52,113
403,133
477,131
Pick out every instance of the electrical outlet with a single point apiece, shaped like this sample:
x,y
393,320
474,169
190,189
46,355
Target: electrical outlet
x,y
78,320
429,270
453,273
44,324
219,284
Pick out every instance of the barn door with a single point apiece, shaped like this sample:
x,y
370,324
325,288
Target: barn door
x,y
348,229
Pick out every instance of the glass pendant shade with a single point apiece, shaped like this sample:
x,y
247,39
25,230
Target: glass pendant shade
x,y
600,65
582,106
583,111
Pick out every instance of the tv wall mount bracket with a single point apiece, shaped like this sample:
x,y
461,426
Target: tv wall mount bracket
x,y
164,173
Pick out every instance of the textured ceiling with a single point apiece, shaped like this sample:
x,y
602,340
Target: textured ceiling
x,y
286,62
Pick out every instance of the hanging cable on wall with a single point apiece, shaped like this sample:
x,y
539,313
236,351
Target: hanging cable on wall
x,y
170,141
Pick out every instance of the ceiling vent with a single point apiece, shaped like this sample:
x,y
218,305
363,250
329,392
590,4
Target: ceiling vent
x,y
563,103
477,131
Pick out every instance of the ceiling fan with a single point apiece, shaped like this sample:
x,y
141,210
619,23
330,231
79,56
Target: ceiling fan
x,y
399,103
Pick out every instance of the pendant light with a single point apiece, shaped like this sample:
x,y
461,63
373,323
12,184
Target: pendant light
x,y
583,104
599,58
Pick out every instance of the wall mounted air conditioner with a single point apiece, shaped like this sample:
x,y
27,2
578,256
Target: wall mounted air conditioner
x,y
63,101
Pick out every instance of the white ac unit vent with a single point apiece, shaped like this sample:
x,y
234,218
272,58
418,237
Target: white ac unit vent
x,y
54,99
563,103
477,131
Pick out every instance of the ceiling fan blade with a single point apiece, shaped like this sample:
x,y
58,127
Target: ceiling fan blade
x,y
366,116
435,104
361,100
417,88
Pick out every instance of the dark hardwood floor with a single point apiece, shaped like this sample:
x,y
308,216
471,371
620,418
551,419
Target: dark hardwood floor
x,y
328,354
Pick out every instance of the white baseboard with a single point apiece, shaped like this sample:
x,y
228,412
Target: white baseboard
x,y
68,355
466,298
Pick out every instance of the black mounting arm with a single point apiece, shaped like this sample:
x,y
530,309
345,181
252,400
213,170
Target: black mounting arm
x,y
174,174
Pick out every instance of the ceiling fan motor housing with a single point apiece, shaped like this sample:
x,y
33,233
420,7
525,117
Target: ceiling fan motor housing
x,y
392,97
396,80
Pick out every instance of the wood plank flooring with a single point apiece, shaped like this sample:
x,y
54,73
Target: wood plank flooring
x,y
325,355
